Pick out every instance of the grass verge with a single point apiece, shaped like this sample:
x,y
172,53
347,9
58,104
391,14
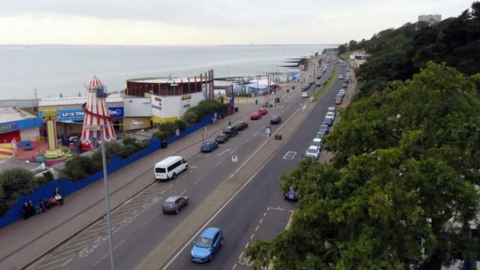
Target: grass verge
x,y
320,92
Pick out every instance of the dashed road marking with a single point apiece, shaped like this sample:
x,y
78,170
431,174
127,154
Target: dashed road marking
x,y
216,165
200,178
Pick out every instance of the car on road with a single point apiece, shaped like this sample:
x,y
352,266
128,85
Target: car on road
x,y
230,131
291,195
174,204
263,111
276,119
319,135
304,95
341,92
331,109
311,83
324,128
305,88
207,245
338,101
255,116
345,85
319,77
318,84
313,152
241,125
328,122
208,147
340,77
170,167
222,138
317,142
330,115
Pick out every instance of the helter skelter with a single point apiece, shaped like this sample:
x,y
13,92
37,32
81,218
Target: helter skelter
x,y
97,117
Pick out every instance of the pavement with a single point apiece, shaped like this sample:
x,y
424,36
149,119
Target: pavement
x,y
136,199
25,241
259,210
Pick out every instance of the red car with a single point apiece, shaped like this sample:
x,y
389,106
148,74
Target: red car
x,y
255,116
262,112
338,101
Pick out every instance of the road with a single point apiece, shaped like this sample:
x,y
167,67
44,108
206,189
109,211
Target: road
x,y
259,210
138,225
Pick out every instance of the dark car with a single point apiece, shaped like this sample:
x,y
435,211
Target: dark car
x,y
230,131
291,195
241,125
222,138
275,120
174,204
318,84
208,147
319,135
324,128
319,77
328,122
305,88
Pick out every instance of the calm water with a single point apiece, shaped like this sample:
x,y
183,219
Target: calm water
x,y
64,69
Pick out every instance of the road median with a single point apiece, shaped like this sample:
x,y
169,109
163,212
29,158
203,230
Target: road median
x,y
326,86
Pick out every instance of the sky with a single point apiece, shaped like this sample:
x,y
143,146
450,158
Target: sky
x,y
208,22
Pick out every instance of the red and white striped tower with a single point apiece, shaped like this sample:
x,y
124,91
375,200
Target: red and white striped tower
x,y
96,116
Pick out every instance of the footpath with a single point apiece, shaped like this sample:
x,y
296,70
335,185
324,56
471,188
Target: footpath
x,y
25,241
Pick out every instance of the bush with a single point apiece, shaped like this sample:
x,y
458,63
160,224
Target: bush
x,y
45,178
191,118
168,128
161,135
206,107
181,124
15,183
81,167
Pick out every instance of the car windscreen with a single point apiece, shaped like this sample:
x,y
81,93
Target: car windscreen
x,y
227,130
316,143
160,170
311,151
204,242
169,205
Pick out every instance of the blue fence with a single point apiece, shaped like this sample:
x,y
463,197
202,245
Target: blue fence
x,y
67,187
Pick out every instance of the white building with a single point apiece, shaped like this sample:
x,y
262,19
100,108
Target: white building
x,y
171,108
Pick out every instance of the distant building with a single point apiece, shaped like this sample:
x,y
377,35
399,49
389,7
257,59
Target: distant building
x,y
430,19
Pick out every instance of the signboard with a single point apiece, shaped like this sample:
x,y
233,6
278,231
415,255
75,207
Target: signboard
x,y
174,84
186,97
5,128
234,159
78,114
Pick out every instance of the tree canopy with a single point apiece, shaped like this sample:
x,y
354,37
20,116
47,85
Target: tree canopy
x,y
402,188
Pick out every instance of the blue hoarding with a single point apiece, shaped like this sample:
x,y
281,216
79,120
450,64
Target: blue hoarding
x,y
79,115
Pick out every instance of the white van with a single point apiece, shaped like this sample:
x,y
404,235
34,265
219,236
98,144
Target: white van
x,y
169,168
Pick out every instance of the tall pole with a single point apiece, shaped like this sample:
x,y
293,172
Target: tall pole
x,y
314,78
107,198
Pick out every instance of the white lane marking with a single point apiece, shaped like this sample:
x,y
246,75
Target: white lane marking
x,y
234,150
119,245
224,152
170,186
216,165
255,133
163,191
290,155
289,106
245,141
263,127
141,227
127,202
200,178
188,243
181,194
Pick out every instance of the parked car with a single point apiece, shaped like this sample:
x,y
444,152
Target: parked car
x,y
319,77
318,84
230,131
291,195
263,111
255,116
275,120
313,152
324,128
241,125
331,109
317,142
304,95
222,138
208,147
328,122
340,77
319,135
207,245
338,101
174,204
330,115
345,85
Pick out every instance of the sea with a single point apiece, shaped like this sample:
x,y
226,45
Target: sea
x,y
51,71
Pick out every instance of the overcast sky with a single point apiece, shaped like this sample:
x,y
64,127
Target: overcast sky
x,y
208,22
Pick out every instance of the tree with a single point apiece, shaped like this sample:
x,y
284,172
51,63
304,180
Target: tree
x,y
191,118
352,45
401,189
342,49
15,183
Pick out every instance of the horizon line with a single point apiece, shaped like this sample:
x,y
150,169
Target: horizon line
x,y
122,45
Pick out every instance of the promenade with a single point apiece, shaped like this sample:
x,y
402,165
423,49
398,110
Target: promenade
x,y
24,241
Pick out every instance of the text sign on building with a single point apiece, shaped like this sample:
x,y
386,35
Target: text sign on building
x,y
157,104
79,115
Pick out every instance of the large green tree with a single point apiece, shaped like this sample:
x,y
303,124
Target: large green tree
x,y
401,189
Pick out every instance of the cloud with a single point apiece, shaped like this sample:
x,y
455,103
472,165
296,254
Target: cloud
x,y
214,21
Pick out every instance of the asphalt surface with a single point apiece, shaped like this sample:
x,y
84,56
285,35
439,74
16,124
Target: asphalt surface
x,y
259,210
138,225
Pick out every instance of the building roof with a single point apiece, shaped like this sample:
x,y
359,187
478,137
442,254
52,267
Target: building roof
x,y
95,82
14,114
167,79
53,102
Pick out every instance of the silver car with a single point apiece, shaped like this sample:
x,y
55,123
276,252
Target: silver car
x,y
174,204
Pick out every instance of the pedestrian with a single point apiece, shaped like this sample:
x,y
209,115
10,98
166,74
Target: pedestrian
x,y
31,208
229,122
256,101
26,211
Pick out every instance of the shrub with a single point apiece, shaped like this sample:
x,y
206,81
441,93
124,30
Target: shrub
x,y
181,124
45,178
15,183
191,118
168,128
206,107
161,135
81,167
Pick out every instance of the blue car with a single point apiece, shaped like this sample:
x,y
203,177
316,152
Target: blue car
x,y
207,245
291,195
209,147
328,122
324,129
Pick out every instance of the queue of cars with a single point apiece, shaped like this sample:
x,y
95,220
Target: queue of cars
x,y
227,133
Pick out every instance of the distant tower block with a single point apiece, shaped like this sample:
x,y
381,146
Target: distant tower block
x,y
96,116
